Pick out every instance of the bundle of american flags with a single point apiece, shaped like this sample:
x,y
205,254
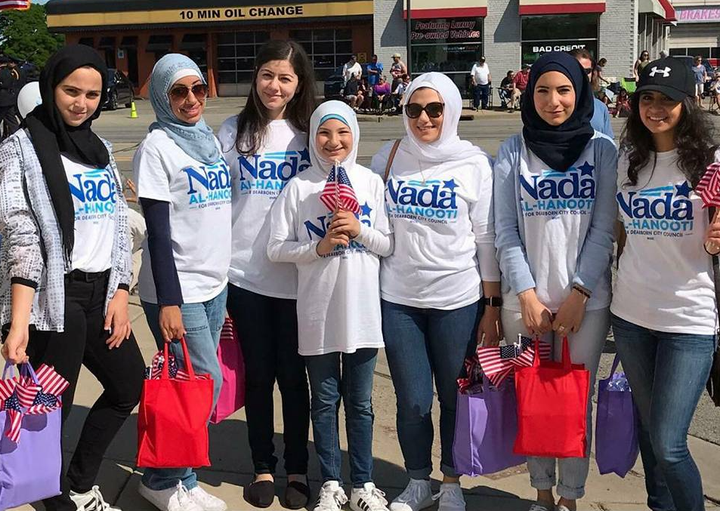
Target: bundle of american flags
x,y
24,395
709,186
338,192
499,361
14,4
154,372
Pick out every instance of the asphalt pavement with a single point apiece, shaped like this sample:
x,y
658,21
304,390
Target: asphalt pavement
x,y
232,467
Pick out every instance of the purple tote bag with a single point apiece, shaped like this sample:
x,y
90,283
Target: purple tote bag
x,y
30,469
616,433
485,430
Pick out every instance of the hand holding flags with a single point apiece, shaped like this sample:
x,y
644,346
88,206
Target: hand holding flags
x,y
709,191
338,192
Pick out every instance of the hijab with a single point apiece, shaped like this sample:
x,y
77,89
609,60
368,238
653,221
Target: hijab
x,y
333,110
559,146
51,136
196,140
448,147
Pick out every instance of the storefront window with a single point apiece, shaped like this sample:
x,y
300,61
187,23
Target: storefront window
x,y
566,32
236,55
448,45
328,48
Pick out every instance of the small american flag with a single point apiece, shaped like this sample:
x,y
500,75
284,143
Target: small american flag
x,y
338,192
709,186
499,361
14,4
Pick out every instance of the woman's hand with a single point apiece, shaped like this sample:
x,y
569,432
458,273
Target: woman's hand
x,y
537,317
345,222
16,344
490,327
712,236
171,323
117,321
571,313
331,240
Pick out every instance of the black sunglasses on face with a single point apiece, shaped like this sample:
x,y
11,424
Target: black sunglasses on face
x,y
434,110
181,91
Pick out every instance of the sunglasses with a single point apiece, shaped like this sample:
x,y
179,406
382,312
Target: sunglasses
x,y
433,110
181,91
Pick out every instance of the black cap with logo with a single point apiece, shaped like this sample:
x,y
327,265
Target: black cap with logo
x,y
668,76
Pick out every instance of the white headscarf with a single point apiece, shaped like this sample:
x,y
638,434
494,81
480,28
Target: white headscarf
x,y
333,110
448,147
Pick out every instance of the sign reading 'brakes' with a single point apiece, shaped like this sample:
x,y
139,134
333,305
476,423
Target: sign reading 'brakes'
x,y
235,13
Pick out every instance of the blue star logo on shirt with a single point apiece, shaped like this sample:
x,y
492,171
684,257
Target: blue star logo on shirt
x,y
683,190
586,169
304,154
365,209
450,185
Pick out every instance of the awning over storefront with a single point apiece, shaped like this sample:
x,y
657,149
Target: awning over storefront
x,y
662,8
426,9
68,15
535,7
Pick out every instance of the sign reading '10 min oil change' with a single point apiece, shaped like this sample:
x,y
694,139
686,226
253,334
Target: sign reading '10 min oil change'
x,y
234,13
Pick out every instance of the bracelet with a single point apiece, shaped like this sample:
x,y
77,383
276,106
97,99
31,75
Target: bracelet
x,y
584,292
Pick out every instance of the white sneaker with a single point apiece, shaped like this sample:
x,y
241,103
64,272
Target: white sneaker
x,y
368,498
206,501
331,497
91,501
450,497
171,499
416,496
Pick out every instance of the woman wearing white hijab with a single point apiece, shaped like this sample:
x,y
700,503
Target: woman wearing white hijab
x,y
337,250
440,288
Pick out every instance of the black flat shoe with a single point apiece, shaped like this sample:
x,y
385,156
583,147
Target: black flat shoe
x,y
297,495
260,494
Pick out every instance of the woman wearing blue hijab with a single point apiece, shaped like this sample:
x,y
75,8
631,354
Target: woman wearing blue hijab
x,y
183,184
554,204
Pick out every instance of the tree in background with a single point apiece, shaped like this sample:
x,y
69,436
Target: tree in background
x,y
24,35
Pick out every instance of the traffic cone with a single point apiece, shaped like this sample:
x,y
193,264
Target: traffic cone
x,y
133,111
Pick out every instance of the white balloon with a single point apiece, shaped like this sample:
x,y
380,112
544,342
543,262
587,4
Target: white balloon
x,y
28,98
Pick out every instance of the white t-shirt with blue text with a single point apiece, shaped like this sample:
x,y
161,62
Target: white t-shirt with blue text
x,y
257,182
200,216
664,279
94,194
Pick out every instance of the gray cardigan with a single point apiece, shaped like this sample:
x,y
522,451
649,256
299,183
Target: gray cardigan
x,y
31,249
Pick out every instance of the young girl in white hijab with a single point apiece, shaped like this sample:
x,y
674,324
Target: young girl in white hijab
x,y
439,199
337,250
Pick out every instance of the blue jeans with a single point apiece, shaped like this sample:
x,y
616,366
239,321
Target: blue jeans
x,y
203,323
667,373
353,382
480,96
420,344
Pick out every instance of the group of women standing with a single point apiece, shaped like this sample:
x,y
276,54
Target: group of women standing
x,y
444,249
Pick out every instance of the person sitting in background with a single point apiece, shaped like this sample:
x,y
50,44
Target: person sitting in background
x,y
381,94
505,91
714,92
622,104
520,81
367,93
399,92
353,96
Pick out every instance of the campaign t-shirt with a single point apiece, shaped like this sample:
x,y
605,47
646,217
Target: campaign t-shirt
x,y
442,221
665,279
257,182
200,216
94,195
557,209
338,305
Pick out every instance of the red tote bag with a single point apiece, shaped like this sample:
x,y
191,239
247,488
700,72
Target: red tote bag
x,y
552,402
173,418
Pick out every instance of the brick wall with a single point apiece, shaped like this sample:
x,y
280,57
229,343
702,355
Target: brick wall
x,y
389,34
502,38
617,31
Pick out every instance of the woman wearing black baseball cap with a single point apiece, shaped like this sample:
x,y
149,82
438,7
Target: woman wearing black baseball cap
x,y
664,311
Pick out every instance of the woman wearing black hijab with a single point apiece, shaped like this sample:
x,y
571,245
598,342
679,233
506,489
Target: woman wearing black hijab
x,y
66,249
554,204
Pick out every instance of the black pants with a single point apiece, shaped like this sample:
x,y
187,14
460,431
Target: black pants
x,y
268,333
120,371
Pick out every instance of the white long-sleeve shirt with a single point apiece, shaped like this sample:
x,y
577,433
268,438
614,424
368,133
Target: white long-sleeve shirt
x,y
442,221
339,294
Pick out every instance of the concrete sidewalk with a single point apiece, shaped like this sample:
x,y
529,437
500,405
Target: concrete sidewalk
x,y
232,467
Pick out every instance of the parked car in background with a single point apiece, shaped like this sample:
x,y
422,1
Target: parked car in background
x,y
120,90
